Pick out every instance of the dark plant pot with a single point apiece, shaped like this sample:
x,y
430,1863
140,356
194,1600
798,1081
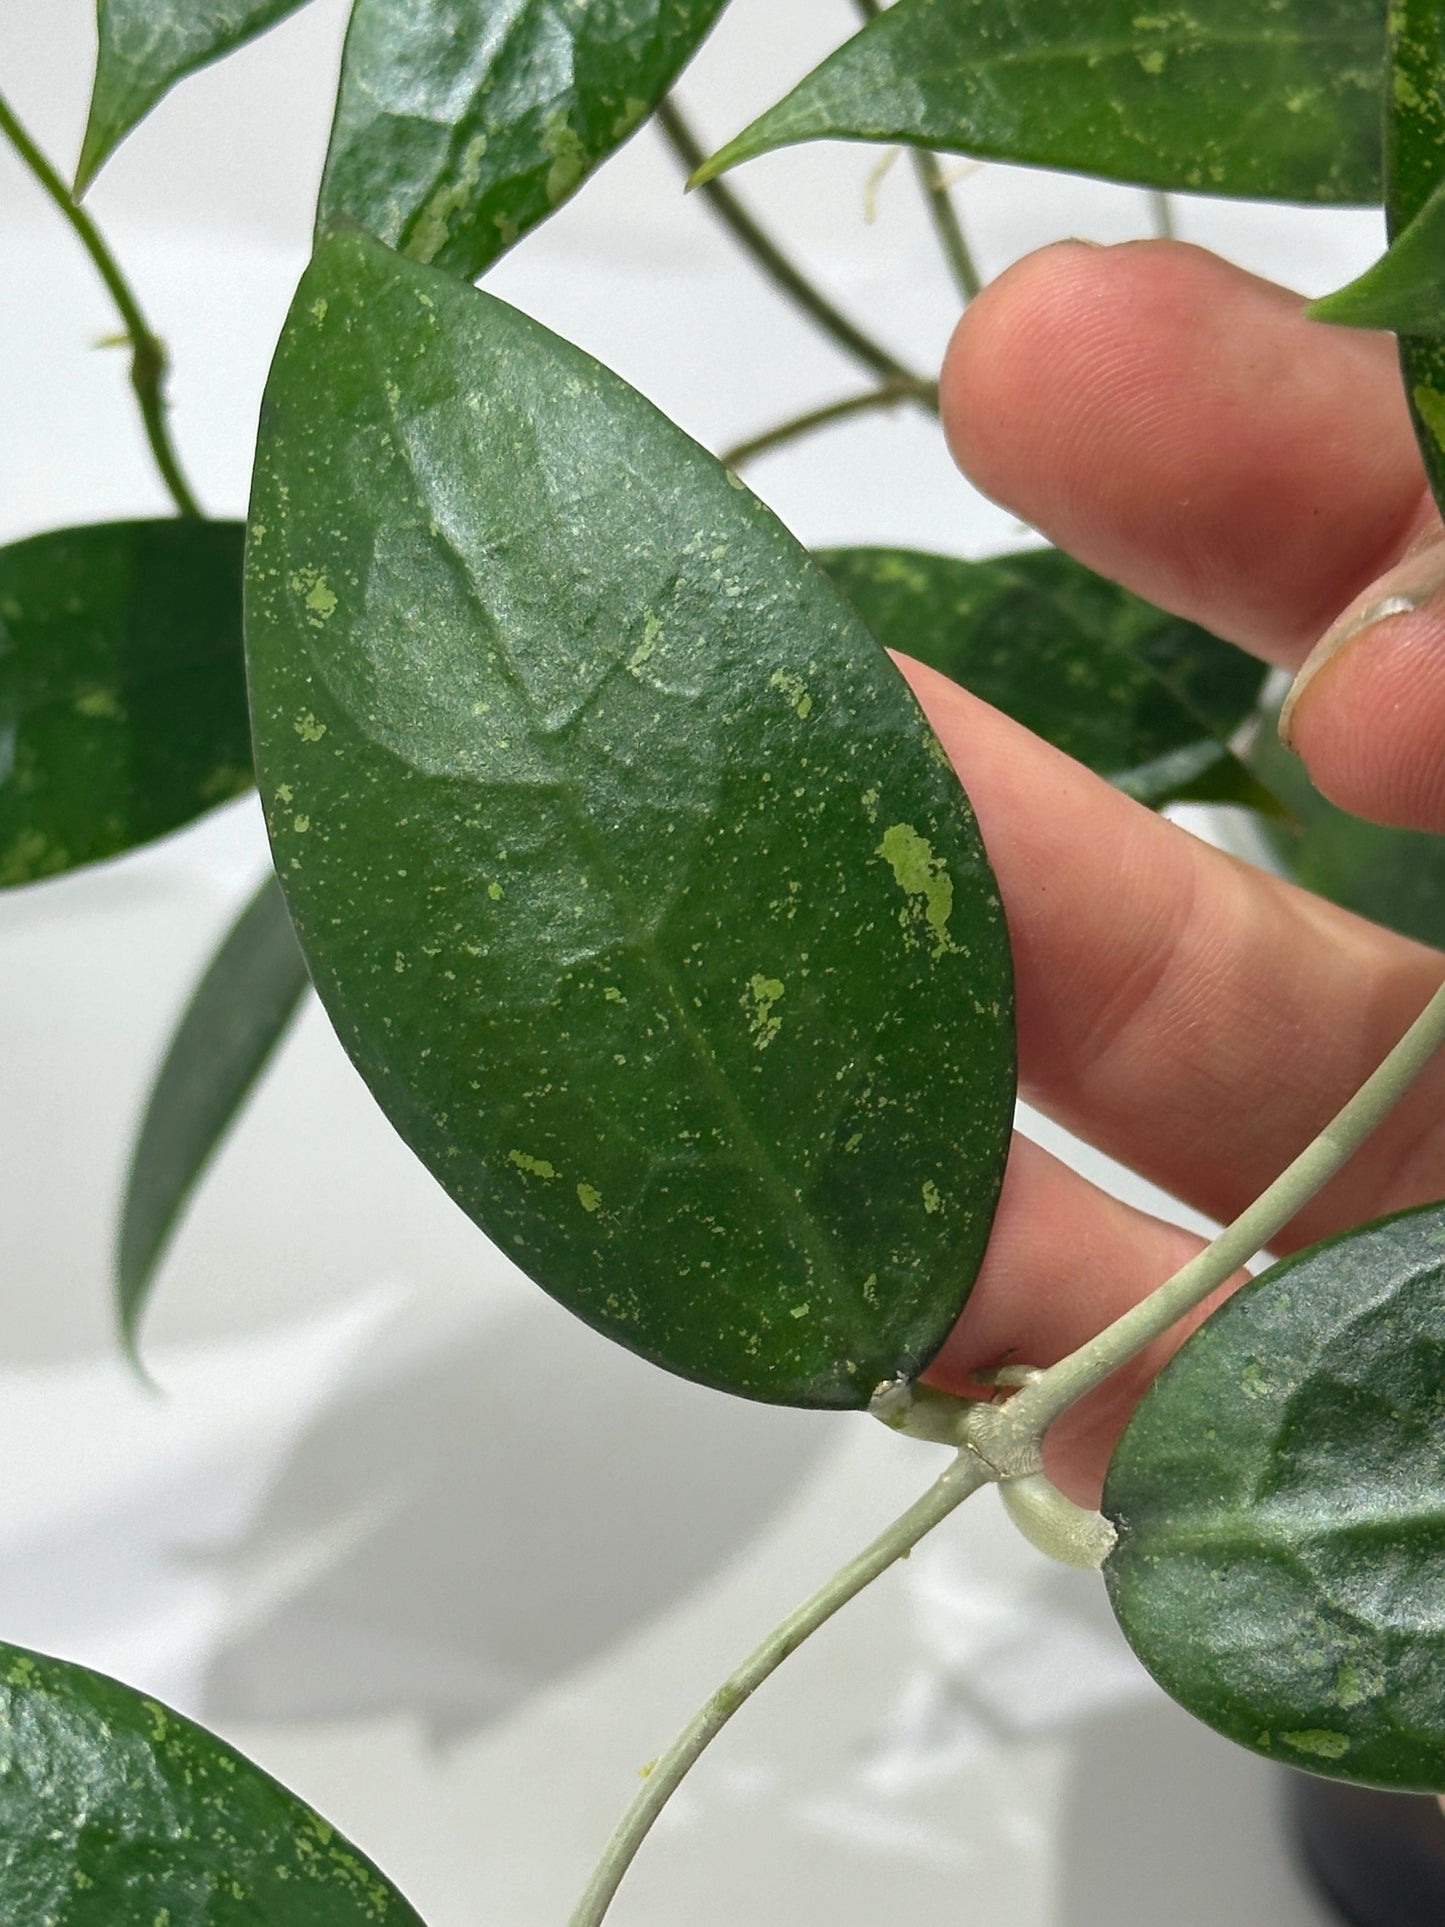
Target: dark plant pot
x,y
1379,1858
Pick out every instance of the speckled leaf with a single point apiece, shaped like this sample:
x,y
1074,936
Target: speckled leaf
x,y
1280,1498
1142,697
237,1016
146,46
459,127
1394,877
122,689
1405,289
117,1812
1236,97
627,868
1414,169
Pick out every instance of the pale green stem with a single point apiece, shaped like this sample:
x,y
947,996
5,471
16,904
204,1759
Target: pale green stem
x,y
148,355
1014,1428
941,211
962,1478
888,396
1162,214
788,279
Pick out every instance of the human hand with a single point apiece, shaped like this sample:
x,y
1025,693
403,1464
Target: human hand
x,y
1178,425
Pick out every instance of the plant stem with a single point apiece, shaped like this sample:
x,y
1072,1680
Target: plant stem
x,y
775,264
1162,214
888,396
941,211
962,1478
1001,1430
148,355
966,277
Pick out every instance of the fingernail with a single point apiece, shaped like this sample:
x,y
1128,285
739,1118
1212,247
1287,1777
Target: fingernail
x,y
1415,580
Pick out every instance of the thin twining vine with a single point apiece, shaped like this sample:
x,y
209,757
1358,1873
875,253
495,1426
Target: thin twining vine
x,y
1002,1442
148,355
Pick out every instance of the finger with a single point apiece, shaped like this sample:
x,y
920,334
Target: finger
x,y
1367,712
1177,424
1193,1017
1064,1260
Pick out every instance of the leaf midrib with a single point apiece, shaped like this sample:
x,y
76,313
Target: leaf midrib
x,y
566,789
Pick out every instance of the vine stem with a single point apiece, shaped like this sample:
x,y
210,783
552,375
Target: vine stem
x,y
1017,1426
959,1481
148,355
888,396
784,276
941,211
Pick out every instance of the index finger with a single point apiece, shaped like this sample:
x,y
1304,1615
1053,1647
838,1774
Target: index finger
x,y
1180,426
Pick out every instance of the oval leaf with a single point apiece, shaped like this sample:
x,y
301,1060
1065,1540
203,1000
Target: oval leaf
x,y
1414,143
236,1018
627,868
1280,1500
1277,102
460,127
146,46
122,689
115,1810
1094,670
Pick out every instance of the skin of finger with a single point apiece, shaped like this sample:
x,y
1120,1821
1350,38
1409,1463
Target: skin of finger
x,y
1371,726
1180,426
1191,1016
1064,1260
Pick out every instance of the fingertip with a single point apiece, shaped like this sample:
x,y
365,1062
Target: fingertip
x,y
1180,426
1370,724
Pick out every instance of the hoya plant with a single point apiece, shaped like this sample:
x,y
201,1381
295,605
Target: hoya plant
x,y
643,896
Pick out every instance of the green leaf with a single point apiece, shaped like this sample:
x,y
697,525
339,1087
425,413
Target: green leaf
x,y
1393,877
1278,102
1414,145
460,127
122,689
1144,698
627,868
238,1015
117,1812
1405,289
146,46
1280,1499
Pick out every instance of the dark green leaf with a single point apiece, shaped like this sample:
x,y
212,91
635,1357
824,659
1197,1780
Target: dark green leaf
x,y
1394,877
117,1812
627,868
460,127
1280,1498
146,46
1278,102
1142,697
1414,169
122,689
235,1020
1405,289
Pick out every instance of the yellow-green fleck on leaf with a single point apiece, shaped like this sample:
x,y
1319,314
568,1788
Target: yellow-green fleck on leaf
x,y
460,127
122,689
923,877
137,1815
659,1030
1279,1496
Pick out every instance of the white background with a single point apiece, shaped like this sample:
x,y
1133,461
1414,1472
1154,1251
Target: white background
x,y
426,1547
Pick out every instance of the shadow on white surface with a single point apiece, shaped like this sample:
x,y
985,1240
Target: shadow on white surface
x,y
476,1517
